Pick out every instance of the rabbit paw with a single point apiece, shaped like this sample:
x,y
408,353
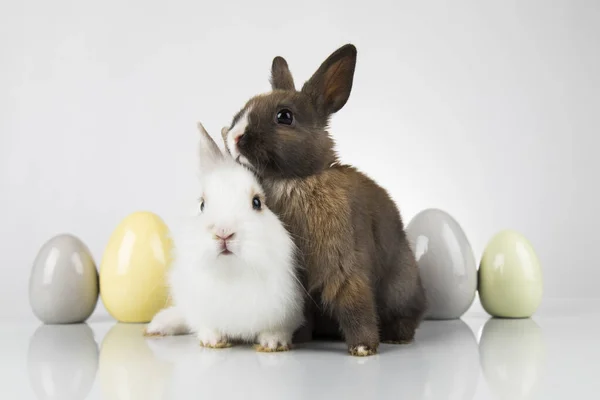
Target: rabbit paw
x,y
212,339
274,341
167,322
362,351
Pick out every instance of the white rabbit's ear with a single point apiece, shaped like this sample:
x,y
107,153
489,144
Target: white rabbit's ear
x,y
210,155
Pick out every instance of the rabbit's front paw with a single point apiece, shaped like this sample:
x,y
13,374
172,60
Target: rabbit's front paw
x,y
274,341
212,339
167,322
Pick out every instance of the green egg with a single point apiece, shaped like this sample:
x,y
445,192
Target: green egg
x,y
510,276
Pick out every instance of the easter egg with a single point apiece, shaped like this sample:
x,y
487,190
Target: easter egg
x,y
63,285
510,276
62,361
513,357
446,263
134,266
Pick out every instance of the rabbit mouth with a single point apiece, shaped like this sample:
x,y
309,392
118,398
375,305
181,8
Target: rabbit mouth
x,y
224,250
224,245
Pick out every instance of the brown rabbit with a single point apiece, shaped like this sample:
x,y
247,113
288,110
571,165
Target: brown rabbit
x,y
359,267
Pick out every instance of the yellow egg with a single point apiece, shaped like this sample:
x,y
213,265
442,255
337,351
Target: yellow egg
x,y
134,266
510,276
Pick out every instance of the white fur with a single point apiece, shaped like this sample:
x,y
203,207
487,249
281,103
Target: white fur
x,y
235,132
168,322
362,351
252,294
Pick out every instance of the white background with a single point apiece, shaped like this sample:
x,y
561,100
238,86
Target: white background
x,y
488,110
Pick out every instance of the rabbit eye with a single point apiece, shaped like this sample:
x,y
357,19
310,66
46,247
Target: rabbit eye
x,y
201,206
285,117
256,204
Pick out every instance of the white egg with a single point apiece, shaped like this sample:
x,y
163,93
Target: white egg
x,y
446,263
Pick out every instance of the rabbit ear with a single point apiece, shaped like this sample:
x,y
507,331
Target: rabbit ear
x,y
281,77
210,155
331,84
224,132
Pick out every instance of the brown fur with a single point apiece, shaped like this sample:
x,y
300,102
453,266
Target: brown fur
x,y
359,267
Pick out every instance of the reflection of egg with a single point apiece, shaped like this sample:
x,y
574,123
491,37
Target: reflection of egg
x,y
510,276
62,361
133,270
452,359
63,286
128,370
446,263
512,355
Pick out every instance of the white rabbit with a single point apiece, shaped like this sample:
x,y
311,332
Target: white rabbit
x,y
233,275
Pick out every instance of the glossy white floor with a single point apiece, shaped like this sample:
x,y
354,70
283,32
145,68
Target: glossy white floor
x,y
554,355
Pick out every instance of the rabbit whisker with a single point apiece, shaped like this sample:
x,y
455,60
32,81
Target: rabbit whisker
x,y
303,288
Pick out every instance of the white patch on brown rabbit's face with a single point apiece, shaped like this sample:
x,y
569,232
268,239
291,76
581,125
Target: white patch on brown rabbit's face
x,y
234,135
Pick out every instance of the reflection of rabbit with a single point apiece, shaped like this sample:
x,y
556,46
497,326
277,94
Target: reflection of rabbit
x,y
442,362
205,373
358,262
62,361
512,354
233,275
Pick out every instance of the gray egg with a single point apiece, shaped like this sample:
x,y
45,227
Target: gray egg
x,y
63,286
446,263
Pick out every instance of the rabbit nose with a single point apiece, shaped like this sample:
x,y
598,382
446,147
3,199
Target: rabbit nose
x,y
224,236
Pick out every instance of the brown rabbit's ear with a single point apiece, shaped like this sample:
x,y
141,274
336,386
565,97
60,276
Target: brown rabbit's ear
x,y
331,84
224,133
210,154
281,77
